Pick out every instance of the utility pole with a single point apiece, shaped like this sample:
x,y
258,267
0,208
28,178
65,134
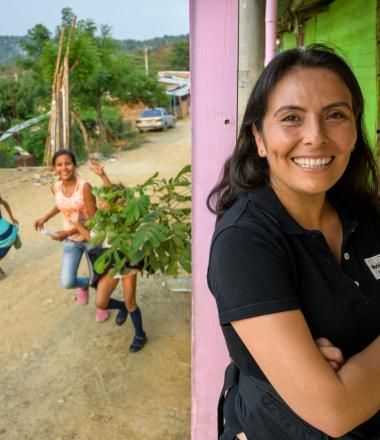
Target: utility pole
x,y
251,48
146,61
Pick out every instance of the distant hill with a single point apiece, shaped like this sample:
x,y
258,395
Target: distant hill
x,y
152,44
10,49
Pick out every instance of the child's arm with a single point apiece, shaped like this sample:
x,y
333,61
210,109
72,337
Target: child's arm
x,y
98,169
9,211
38,224
83,231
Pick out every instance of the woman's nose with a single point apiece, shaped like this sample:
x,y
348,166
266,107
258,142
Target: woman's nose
x,y
315,132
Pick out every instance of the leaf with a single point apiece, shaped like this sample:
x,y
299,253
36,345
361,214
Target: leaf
x,y
131,212
151,217
178,242
180,226
114,218
103,261
148,225
98,239
185,258
185,170
185,262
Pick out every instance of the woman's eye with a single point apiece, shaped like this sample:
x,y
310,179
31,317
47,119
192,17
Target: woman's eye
x,y
335,115
290,118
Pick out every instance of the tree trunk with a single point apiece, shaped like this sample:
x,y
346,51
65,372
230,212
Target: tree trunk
x,y
82,128
101,124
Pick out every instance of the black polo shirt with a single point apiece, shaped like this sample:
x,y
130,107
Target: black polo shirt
x,y
262,261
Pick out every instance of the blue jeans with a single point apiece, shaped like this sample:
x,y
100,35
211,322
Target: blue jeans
x,y
72,254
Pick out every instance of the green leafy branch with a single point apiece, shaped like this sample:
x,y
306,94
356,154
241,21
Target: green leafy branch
x,y
147,226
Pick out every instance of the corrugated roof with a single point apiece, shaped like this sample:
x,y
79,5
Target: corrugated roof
x,y
173,80
179,91
19,127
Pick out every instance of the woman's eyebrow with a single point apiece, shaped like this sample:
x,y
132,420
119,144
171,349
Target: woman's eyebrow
x,y
302,109
338,104
289,107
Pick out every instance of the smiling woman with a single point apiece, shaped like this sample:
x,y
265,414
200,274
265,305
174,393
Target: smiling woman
x,y
308,132
294,258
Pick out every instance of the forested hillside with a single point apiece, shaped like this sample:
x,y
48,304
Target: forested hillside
x,y
153,44
10,48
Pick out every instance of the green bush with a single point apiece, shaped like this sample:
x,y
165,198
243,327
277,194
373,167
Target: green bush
x,y
34,141
118,130
114,123
6,154
88,117
147,226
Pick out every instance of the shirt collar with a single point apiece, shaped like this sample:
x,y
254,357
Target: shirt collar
x,y
267,201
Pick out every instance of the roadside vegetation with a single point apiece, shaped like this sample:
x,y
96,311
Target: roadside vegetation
x,y
103,76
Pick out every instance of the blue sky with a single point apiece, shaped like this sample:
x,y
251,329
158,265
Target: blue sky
x,y
137,19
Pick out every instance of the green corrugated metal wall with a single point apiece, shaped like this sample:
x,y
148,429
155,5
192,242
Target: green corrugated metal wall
x,y
351,26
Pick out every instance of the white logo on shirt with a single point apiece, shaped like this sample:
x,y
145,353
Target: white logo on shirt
x,y
374,265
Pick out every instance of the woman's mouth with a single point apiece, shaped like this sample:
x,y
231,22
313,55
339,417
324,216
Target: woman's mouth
x,y
308,162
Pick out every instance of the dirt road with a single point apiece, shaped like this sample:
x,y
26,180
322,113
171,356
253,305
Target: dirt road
x,y
62,375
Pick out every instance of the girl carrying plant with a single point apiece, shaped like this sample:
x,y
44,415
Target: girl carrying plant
x,y
105,283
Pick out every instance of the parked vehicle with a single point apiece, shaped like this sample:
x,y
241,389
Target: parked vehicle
x,y
155,119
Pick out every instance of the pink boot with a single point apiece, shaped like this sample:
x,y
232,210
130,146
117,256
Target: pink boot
x,y
101,315
82,296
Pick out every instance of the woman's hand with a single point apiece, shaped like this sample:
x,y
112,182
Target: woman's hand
x,y
39,224
333,355
96,167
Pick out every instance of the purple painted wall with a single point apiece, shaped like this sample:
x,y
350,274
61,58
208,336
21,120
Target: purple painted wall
x,y
214,64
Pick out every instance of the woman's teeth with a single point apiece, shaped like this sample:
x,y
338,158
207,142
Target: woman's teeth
x,y
312,163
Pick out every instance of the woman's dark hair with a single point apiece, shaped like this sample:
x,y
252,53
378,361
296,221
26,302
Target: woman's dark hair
x,y
64,152
245,170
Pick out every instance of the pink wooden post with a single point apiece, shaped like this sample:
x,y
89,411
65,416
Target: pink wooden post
x,y
214,64
270,30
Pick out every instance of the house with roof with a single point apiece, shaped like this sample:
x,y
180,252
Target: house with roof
x,y
177,84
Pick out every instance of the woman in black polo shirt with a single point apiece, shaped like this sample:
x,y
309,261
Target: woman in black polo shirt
x,y
295,258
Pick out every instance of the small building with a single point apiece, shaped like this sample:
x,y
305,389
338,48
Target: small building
x,y
23,158
177,85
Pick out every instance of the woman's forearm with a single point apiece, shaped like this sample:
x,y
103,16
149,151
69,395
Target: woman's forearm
x,y
105,179
333,402
51,214
360,377
83,231
356,397
89,200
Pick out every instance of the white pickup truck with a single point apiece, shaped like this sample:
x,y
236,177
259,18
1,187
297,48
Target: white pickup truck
x,y
155,119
